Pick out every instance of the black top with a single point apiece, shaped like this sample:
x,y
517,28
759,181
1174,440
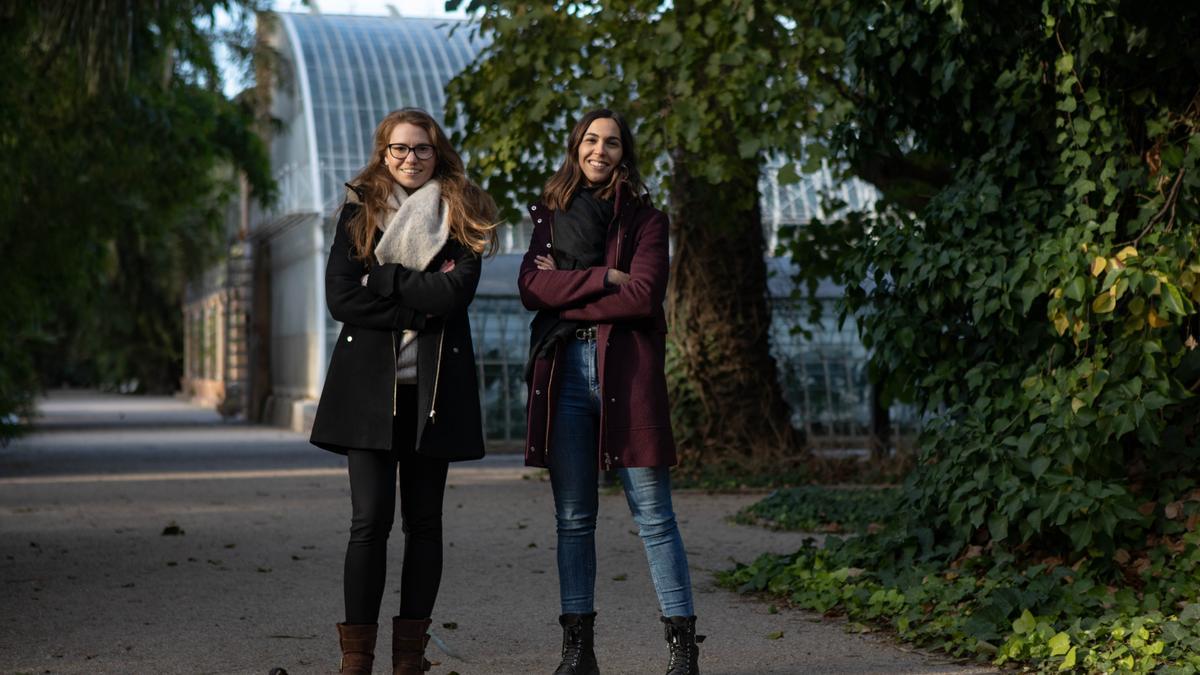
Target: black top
x,y
580,233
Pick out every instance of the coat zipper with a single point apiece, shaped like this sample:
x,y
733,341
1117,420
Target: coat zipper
x,y
395,357
553,363
619,240
617,265
437,373
549,401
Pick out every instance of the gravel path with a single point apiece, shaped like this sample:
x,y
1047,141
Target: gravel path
x,y
91,584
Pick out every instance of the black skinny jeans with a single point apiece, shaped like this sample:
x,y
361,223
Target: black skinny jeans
x,y
373,496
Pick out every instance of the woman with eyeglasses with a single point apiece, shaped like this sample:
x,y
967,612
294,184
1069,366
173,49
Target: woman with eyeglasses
x,y
596,273
401,394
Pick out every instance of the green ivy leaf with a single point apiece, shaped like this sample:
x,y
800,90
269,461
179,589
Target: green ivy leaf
x,y
1039,465
748,147
787,175
1076,289
1064,64
998,526
1025,624
1172,300
1059,644
1104,303
1190,616
1069,662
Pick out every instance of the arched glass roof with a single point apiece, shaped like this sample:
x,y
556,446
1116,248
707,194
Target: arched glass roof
x,y
354,69
357,68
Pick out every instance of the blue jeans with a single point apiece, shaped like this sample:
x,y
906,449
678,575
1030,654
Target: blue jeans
x,y
574,467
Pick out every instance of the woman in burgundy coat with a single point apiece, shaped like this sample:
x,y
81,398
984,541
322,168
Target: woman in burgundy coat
x,y
596,273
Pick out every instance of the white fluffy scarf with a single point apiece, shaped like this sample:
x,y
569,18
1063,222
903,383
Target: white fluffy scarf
x,y
416,229
414,232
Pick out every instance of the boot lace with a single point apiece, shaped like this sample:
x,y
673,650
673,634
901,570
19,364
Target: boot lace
x,y
681,652
684,652
572,650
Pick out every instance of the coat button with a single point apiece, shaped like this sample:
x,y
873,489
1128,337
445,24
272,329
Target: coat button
x,y
537,392
539,220
454,349
349,338
548,245
612,400
533,207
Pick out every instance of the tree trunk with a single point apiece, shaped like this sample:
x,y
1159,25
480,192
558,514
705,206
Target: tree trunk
x,y
728,407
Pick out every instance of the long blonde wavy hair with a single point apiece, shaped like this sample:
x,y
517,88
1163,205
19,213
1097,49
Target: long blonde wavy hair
x,y
471,212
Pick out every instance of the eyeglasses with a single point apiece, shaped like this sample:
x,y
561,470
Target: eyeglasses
x,y
400,151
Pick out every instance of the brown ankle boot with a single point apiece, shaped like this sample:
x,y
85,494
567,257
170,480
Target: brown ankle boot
x,y
409,637
358,647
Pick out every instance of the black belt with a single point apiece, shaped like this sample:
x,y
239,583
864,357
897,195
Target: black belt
x,y
586,334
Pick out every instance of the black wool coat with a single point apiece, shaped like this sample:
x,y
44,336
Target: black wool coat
x,y
358,400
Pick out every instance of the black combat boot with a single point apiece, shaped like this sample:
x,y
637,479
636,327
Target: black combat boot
x,y
578,646
680,632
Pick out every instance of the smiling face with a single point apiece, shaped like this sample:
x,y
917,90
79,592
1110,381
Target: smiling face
x,y
411,172
600,151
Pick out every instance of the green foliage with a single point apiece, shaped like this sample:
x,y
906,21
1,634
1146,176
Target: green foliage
x,y
1030,281
821,509
1037,299
118,157
547,63
1046,616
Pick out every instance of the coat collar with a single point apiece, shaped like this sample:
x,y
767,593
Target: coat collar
x,y
620,198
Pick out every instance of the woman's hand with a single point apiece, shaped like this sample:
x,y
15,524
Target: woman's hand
x,y
446,268
545,262
615,277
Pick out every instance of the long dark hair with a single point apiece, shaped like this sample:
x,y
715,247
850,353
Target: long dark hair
x,y
562,185
470,211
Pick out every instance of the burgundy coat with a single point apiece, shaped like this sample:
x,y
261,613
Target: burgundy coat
x,y
635,420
